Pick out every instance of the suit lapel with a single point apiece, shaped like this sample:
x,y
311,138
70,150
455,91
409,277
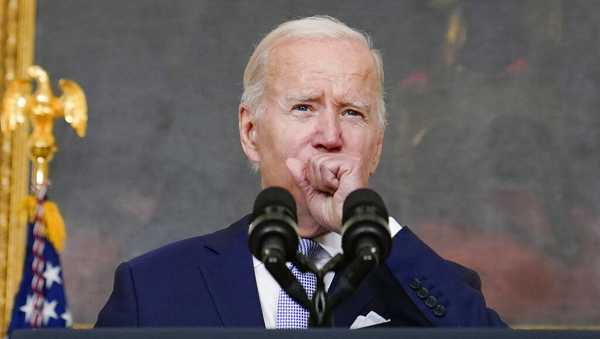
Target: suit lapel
x,y
229,275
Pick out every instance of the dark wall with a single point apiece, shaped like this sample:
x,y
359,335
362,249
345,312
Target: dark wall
x,y
491,153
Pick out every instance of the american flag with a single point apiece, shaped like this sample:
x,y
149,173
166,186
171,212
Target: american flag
x,y
41,300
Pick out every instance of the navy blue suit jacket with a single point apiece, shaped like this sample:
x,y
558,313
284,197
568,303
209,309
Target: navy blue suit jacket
x,y
209,281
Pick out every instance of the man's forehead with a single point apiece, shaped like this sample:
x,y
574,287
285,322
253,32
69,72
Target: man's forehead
x,y
317,56
302,66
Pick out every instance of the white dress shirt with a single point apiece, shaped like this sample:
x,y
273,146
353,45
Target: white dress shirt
x,y
268,288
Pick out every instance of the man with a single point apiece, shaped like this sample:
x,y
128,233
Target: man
x,y
311,120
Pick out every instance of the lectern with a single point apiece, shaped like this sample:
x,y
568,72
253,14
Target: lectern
x,y
399,333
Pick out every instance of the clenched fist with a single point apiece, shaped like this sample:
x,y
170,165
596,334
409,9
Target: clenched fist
x,y
326,180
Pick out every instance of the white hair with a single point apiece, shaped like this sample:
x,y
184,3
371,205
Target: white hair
x,y
319,26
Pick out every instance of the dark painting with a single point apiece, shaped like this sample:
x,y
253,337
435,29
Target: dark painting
x,y
491,153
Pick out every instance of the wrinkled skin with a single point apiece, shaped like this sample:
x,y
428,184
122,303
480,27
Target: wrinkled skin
x,y
318,133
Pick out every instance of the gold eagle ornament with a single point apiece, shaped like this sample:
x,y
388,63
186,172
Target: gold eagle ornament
x,y
32,98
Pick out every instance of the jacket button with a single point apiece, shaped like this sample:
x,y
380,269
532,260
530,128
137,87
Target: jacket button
x,y
431,301
439,310
415,284
423,293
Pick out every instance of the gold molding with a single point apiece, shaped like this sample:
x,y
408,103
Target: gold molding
x,y
17,22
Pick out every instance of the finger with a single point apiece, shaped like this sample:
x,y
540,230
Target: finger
x,y
297,169
321,175
312,173
328,176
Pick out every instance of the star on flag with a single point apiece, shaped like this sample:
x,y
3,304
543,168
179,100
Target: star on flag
x,y
49,311
52,275
67,318
28,308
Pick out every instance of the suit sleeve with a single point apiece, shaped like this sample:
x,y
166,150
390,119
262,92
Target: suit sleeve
x,y
446,293
121,309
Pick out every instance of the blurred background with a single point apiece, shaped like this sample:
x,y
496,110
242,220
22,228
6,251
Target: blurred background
x,y
491,154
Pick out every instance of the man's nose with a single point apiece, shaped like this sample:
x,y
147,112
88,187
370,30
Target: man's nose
x,y
328,136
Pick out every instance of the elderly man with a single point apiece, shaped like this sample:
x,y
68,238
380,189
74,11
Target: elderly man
x,y
311,120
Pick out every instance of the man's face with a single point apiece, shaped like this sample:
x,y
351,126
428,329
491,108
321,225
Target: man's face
x,y
320,97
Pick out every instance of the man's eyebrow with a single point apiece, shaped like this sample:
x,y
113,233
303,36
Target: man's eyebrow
x,y
302,97
348,102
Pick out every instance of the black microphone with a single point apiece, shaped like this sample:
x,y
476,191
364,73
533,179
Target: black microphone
x,y
366,241
273,239
272,235
365,230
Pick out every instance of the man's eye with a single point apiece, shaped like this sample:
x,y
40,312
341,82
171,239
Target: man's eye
x,y
301,108
353,113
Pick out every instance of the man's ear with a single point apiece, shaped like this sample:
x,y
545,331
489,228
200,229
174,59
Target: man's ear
x,y
247,126
379,148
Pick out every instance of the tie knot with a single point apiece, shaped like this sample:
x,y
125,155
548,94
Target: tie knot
x,y
308,247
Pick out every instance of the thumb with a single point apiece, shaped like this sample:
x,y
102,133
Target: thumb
x,y
296,167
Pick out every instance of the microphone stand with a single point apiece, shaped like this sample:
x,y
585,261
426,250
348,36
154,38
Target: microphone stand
x,y
321,304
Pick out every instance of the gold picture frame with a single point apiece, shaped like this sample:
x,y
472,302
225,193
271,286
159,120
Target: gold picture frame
x,y
17,27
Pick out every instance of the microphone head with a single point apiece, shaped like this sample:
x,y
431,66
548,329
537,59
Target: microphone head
x,y
365,226
272,233
275,196
363,197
